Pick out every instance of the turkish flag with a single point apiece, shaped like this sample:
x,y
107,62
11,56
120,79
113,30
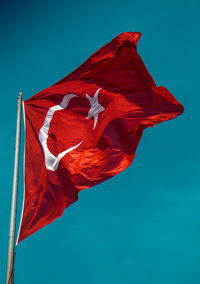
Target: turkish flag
x,y
86,128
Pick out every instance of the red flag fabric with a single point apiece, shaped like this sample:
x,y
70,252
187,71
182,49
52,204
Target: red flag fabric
x,y
86,128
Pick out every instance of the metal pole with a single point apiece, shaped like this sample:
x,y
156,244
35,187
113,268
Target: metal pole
x,y
11,245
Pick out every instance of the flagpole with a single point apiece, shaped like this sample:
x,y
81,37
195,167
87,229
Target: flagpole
x,y
11,245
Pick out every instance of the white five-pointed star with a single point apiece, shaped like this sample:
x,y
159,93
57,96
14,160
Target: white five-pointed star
x,y
96,108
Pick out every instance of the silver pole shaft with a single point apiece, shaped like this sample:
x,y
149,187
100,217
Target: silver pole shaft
x,y
11,245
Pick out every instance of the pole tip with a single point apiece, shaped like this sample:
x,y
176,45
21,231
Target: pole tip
x,y
20,95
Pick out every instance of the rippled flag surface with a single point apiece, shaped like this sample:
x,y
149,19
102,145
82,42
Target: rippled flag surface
x,y
86,128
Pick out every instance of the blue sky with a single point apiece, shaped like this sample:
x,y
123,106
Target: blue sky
x,y
142,226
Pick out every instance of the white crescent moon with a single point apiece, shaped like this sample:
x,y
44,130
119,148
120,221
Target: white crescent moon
x,y
52,161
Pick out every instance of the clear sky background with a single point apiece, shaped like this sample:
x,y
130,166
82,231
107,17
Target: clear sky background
x,y
142,226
